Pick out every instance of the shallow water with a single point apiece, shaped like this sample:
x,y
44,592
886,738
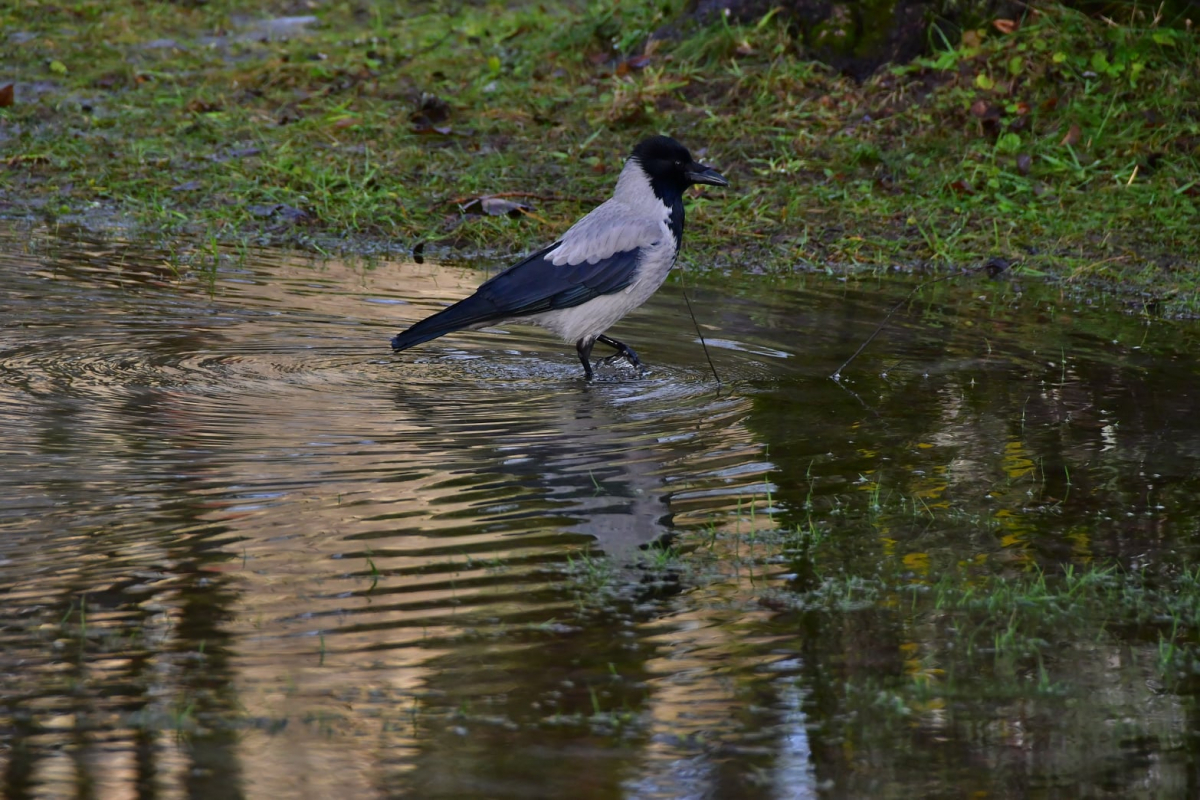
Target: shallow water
x,y
245,551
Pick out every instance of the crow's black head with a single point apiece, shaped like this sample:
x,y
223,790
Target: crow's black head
x,y
671,168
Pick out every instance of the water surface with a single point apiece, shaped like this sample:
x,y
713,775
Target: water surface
x,y
245,551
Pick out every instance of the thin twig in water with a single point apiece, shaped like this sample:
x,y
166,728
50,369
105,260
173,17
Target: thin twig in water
x,y
703,344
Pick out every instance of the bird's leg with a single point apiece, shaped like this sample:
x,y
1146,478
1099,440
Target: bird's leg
x,y
623,350
584,348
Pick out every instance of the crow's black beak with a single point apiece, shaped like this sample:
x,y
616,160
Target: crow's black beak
x,y
698,173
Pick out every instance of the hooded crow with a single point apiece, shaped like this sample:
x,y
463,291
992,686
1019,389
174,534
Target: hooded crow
x,y
603,267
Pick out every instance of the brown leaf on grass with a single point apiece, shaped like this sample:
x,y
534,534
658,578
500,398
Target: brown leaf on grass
x,y
982,109
6,95
971,39
1072,137
1049,104
346,122
960,187
1004,25
1022,108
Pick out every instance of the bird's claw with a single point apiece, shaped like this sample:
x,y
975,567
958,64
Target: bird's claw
x,y
629,357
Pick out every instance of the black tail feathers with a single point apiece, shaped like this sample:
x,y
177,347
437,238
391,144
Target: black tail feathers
x,y
463,314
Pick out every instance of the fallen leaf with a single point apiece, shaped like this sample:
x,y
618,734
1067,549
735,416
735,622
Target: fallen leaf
x,y
971,39
985,110
6,95
1072,137
495,207
960,187
1004,25
346,122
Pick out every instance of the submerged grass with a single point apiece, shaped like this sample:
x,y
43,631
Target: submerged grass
x,y
1070,143
973,629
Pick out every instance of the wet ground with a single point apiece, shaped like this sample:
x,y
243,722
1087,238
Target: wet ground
x,y
245,551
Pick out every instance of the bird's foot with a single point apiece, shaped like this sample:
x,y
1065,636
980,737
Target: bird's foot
x,y
623,351
628,356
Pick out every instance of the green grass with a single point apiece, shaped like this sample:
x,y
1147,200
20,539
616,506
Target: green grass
x,y
1070,143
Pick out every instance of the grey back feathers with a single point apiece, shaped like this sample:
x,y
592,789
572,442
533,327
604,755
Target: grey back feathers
x,y
612,227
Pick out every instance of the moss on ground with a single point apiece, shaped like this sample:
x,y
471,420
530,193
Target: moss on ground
x,y
1068,143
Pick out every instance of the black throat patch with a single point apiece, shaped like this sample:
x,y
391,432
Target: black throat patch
x,y
671,195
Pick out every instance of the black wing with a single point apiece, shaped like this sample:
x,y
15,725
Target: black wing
x,y
528,287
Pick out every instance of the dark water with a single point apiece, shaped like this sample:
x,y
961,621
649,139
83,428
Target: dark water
x,y
245,551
